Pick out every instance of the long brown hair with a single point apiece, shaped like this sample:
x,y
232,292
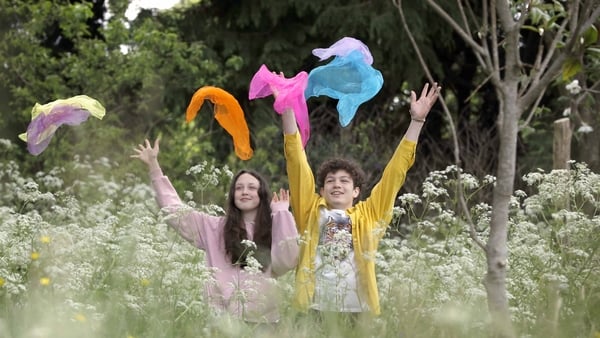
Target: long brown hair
x,y
234,231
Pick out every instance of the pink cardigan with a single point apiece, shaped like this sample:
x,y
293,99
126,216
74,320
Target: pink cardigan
x,y
251,296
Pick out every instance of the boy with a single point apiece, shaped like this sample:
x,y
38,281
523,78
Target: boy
x,y
336,270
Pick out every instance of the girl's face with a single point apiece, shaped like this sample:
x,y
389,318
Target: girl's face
x,y
246,193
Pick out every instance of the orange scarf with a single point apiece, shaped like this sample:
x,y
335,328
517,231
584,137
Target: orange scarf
x,y
228,113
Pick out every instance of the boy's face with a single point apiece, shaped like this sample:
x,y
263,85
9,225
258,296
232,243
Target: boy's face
x,y
339,190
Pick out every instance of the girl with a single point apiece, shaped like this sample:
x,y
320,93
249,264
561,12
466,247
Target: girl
x,y
242,269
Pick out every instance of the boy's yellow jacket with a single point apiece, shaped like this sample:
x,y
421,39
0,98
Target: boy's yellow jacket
x,y
369,217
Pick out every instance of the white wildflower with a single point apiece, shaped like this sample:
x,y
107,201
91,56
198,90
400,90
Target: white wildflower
x,y
435,206
573,87
409,199
253,266
6,144
196,169
432,191
249,244
469,181
489,179
585,128
520,194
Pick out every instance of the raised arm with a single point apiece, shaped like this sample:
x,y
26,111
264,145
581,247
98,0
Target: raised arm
x,y
383,195
284,244
419,109
188,222
288,120
149,155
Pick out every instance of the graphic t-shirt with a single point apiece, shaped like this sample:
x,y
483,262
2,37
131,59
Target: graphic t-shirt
x,y
335,269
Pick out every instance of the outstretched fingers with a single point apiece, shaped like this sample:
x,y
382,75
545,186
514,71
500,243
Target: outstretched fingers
x,y
284,195
145,151
419,108
434,92
430,94
424,90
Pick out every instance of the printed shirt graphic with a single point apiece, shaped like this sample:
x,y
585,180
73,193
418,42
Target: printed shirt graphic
x,y
336,278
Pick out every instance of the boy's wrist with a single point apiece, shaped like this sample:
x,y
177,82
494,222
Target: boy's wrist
x,y
416,119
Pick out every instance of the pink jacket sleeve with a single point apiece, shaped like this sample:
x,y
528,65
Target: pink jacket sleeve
x,y
195,227
284,243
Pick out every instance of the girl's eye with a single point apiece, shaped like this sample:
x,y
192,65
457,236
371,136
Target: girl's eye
x,y
250,187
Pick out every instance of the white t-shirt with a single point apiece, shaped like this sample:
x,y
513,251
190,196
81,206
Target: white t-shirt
x,y
336,277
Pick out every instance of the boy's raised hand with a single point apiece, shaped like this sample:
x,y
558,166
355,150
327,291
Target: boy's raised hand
x,y
419,109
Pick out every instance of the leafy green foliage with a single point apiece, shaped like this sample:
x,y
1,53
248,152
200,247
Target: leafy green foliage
x,y
142,72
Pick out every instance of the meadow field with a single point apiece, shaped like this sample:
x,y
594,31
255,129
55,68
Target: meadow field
x,y
85,251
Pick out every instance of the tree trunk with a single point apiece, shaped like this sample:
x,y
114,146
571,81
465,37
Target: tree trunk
x,y
496,43
497,250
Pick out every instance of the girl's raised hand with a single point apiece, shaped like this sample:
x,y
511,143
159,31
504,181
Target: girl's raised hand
x,y
282,201
146,152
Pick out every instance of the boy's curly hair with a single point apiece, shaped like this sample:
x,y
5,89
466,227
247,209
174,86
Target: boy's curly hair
x,y
335,164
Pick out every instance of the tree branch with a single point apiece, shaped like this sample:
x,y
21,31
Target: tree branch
x,y
494,34
463,204
489,63
544,64
461,198
546,76
532,111
463,17
398,4
457,28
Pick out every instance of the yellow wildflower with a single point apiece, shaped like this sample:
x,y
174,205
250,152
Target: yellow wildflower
x,y
1,282
80,318
45,239
44,281
145,282
35,255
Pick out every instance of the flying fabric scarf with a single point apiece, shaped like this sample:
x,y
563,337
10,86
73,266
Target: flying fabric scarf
x,y
228,113
45,119
349,77
290,95
343,47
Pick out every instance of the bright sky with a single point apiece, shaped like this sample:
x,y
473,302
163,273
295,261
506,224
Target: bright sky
x,y
136,5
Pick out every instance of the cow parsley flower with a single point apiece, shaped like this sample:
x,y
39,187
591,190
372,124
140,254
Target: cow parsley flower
x,y
585,128
573,87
